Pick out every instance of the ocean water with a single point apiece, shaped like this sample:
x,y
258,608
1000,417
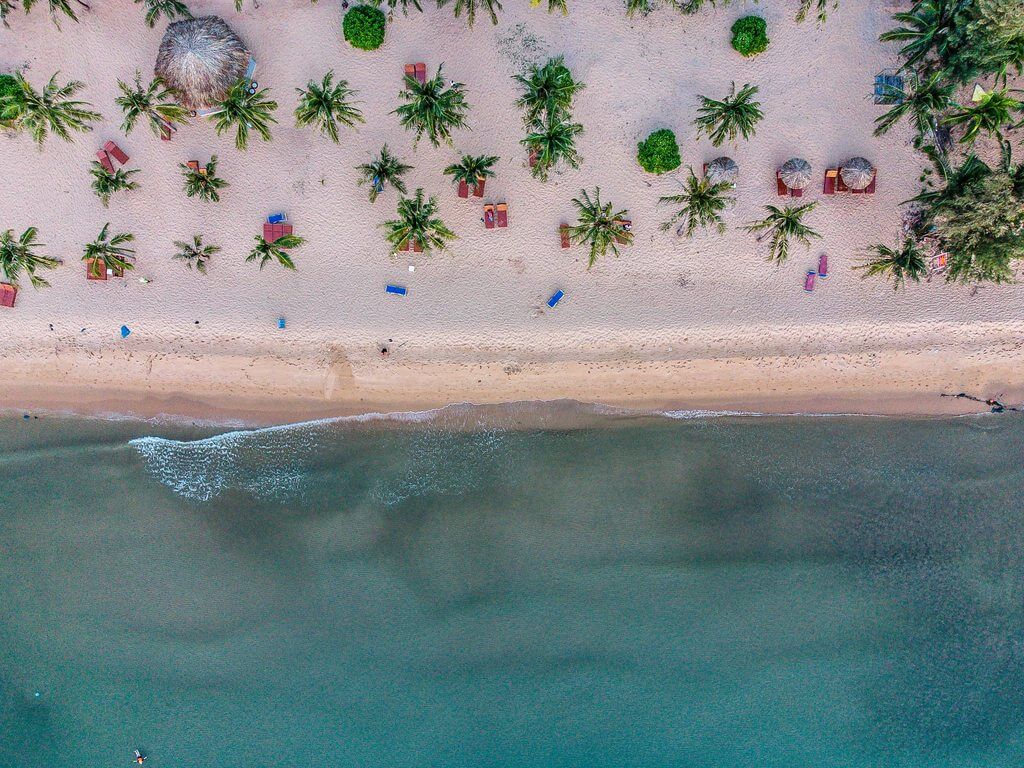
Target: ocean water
x,y
495,588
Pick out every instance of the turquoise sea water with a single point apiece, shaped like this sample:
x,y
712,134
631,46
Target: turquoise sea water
x,y
709,593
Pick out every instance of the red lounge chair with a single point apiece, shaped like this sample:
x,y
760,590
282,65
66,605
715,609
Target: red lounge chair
x,y
115,151
404,247
809,280
410,71
478,189
563,231
870,190
627,225
533,158
8,293
502,215
417,247
95,269
840,184
823,266
194,165
463,189
272,232
489,216
796,193
104,159
421,72
830,181
780,184
705,171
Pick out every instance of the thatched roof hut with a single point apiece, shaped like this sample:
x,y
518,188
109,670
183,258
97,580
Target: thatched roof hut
x,y
795,173
723,169
200,59
857,173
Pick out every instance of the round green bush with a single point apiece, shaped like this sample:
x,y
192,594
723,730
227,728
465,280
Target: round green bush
x,y
364,27
659,153
750,35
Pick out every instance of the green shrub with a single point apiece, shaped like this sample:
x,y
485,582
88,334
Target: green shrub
x,y
8,85
659,153
750,35
364,27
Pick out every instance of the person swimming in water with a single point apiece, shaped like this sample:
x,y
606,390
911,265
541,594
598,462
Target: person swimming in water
x,y
139,757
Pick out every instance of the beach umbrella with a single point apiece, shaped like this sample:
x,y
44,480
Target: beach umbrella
x,y
857,173
723,169
796,173
200,59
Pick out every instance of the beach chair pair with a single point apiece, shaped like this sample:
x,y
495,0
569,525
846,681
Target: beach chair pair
x,y
195,166
834,184
415,247
111,152
417,72
496,215
478,189
276,227
782,189
97,269
8,294
820,273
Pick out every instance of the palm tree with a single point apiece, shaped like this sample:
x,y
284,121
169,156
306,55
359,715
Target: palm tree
x,y
553,5
154,102
927,28
418,225
18,255
598,227
821,8
385,169
245,111
469,6
52,110
549,88
392,4
735,115
472,170
989,114
326,104
205,186
266,251
194,253
927,100
703,202
169,8
907,263
105,183
783,224
57,9
432,108
104,252
957,182
552,143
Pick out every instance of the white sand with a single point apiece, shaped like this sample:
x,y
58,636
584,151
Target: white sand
x,y
671,322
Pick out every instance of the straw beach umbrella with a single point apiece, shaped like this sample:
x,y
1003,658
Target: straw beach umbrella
x,y
200,59
796,173
857,173
722,169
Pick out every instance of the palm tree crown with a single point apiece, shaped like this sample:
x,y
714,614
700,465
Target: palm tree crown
x,y
432,108
205,186
105,183
194,253
549,88
927,28
266,251
111,252
471,169
924,103
737,114
418,225
784,224
990,114
154,102
326,104
469,8
551,143
245,111
598,227
19,255
702,204
169,8
906,263
385,169
51,110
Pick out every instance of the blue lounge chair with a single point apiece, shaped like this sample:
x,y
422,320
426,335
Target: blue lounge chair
x,y
555,298
280,323
275,218
251,69
398,290
888,88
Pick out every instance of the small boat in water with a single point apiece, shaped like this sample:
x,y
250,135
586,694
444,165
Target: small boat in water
x,y
139,757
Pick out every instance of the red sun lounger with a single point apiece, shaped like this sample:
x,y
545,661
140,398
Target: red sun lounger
x,y
809,280
533,158
463,189
104,160
796,193
193,165
502,215
830,181
421,72
782,189
404,247
870,189
823,266
563,231
417,246
410,71
116,152
272,232
478,188
489,216
8,293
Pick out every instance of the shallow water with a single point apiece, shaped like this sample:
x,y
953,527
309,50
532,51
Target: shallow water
x,y
646,592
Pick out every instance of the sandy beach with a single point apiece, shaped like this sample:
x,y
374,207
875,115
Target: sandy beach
x,y
705,323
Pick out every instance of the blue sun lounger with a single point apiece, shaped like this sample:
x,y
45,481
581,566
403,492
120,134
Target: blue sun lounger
x,y
555,298
888,88
275,218
397,290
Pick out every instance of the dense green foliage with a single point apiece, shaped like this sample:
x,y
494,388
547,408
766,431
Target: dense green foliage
x,y
205,186
8,86
364,27
659,152
154,101
750,35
